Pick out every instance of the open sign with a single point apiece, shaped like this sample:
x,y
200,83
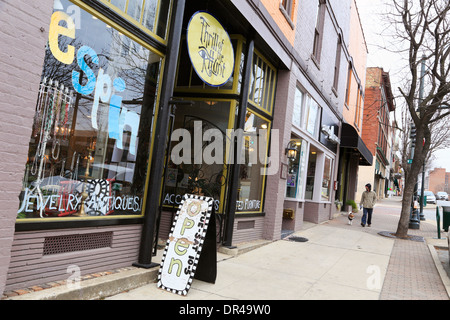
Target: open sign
x,y
181,255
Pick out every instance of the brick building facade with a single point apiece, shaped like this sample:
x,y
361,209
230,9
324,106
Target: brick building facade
x,y
438,180
297,51
377,132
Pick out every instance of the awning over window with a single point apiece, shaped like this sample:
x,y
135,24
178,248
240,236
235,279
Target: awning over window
x,y
351,139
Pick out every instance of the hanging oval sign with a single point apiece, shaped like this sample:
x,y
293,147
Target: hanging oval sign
x,y
210,49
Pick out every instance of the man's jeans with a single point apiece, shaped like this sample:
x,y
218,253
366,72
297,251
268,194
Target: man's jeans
x,y
367,216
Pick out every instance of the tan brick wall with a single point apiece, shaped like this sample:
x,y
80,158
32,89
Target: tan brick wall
x,y
437,180
23,34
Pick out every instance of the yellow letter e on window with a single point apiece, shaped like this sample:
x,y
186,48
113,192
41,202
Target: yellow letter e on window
x,y
56,30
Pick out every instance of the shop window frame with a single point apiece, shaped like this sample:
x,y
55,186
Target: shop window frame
x,y
261,211
269,92
214,93
301,169
268,95
32,224
231,121
137,24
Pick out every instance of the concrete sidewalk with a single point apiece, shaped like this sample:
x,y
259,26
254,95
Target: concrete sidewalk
x,y
339,261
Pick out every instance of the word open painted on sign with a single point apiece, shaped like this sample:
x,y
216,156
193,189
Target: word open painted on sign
x,y
210,49
182,253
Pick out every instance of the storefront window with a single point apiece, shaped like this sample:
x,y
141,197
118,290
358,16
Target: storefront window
x,y
326,181
311,173
89,148
262,85
298,102
296,170
151,15
197,163
252,177
312,116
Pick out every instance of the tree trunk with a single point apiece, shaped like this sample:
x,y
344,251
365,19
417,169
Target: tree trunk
x,y
408,192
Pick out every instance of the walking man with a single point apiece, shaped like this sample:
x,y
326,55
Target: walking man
x,y
368,200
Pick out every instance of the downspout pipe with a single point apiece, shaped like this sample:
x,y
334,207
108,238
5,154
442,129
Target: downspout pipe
x,y
245,87
160,143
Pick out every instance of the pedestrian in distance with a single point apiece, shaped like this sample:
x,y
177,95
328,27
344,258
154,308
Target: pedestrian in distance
x,y
368,200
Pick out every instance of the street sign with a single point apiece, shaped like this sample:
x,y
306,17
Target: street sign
x,y
409,161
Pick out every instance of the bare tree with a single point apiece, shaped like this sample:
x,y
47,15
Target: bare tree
x,y
424,26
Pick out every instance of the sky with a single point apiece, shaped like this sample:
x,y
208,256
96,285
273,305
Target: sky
x,y
373,19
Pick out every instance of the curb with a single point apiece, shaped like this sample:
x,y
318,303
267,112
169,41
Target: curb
x,y
442,273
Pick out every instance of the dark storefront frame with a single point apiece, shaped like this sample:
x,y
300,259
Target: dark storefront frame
x,y
123,23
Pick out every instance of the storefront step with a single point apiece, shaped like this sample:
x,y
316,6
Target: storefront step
x,y
97,288
243,247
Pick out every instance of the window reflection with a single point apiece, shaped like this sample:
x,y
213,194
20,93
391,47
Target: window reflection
x,y
311,173
197,162
90,140
252,176
296,168
326,181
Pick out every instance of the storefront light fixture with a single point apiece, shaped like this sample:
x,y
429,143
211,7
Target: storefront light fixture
x,y
291,150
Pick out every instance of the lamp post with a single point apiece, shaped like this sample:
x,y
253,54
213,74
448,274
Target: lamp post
x,y
422,197
414,222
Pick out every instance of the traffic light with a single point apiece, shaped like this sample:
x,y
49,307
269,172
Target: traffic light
x,y
412,136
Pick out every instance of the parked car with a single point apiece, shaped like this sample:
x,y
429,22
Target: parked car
x,y
431,198
441,195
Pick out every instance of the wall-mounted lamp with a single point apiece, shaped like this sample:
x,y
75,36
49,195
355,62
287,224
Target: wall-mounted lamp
x,y
291,150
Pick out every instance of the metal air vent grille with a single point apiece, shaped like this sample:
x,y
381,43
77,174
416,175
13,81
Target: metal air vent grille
x,y
77,242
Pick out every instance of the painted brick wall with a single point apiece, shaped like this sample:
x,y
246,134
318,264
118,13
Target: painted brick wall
x,y
323,74
23,34
276,187
437,180
370,119
273,7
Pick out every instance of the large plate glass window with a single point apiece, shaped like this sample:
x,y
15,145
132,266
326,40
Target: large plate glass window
x,y
296,170
258,121
197,162
90,141
311,173
312,116
326,180
252,171
298,104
